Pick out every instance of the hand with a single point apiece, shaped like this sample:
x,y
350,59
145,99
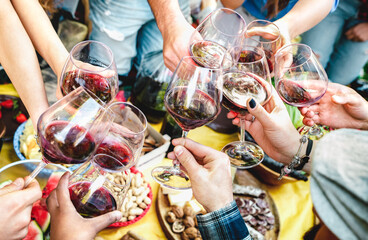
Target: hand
x,y
340,107
272,128
209,173
66,223
176,43
16,207
358,33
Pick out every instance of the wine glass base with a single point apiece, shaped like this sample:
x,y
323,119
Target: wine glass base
x,y
244,155
171,178
314,133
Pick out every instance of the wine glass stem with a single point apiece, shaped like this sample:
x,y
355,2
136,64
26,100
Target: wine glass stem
x,y
176,162
35,172
242,128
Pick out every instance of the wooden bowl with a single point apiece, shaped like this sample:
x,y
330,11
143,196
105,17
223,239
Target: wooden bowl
x,y
269,176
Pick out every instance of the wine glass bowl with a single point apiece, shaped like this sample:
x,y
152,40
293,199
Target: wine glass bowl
x,y
71,129
90,64
300,79
248,78
213,36
124,140
269,37
94,192
193,99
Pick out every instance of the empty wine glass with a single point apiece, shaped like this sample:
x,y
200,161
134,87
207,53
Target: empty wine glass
x,y
71,129
300,78
193,99
124,140
248,77
90,64
268,34
94,191
222,29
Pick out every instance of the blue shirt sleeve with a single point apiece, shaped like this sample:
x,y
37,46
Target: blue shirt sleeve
x,y
257,8
223,224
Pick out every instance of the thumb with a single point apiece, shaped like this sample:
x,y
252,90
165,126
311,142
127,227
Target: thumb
x,y
258,111
101,222
187,160
17,185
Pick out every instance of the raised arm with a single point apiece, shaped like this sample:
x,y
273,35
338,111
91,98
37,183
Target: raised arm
x,y
19,60
303,16
175,30
42,34
232,3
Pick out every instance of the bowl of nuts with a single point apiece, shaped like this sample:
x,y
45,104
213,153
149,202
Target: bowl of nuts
x,y
137,202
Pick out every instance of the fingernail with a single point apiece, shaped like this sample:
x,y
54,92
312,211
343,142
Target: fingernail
x,y
18,182
178,150
117,215
252,103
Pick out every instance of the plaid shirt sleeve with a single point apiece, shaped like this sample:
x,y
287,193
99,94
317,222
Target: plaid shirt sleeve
x,y
225,223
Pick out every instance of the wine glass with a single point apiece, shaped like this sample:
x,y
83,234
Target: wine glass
x,y
300,78
249,77
222,29
124,140
90,64
71,129
94,191
269,37
193,99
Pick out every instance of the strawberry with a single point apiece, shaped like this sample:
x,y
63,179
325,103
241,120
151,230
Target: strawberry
x,y
20,118
8,104
120,96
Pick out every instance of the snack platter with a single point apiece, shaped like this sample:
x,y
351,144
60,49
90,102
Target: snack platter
x,y
255,205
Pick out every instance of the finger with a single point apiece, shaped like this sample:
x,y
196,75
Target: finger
x,y
171,155
308,122
198,150
345,99
231,114
52,202
187,160
101,222
32,192
62,191
236,121
258,111
17,185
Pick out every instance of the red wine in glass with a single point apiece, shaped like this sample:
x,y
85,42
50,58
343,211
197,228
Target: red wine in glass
x,y
116,148
210,54
200,110
239,87
100,202
65,144
296,95
97,84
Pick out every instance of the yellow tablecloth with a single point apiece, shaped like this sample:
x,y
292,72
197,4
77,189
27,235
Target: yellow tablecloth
x,y
293,200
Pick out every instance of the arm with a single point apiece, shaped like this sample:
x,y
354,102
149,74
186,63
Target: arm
x,y
209,172
232,4
66,223
16,206
340,107
19,59
42,34
175,30
303,16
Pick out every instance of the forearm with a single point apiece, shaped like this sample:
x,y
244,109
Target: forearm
x,y
232,4
305,15
41,32
166,17
19,59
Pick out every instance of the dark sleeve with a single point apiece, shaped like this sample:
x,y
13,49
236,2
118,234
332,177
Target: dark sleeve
x,y
225,223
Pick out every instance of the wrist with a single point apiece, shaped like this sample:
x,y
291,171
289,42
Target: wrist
x,y
221,204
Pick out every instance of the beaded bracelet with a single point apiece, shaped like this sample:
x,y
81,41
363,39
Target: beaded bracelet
x,y
298,162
